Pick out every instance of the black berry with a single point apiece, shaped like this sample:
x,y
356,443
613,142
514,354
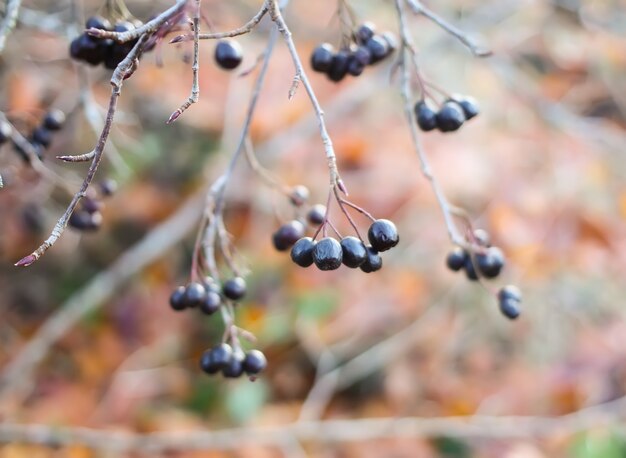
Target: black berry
x,y
450,117
362,55
194,294
228,54
509,298
302,252
54,120
91,205
108,187
234,368
355,68
373,262
287,235
42,136
490,263
365,32
316,214
383,235
234,288
299,195
469,106
5,131
98,22
322,58
177,299
207,363
470,270
327,254
216,358
211,303
354,252
456,259
339,66
482,238
391,40
378,47
85,221
254,362
426,116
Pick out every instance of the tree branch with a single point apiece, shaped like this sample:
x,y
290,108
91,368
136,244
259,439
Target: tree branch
x,y
8,22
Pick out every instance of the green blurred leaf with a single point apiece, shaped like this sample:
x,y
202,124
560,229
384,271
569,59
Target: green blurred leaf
x,y
450,447
598,444
246,399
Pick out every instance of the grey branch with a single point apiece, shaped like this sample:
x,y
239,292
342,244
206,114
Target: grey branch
x,y
9,20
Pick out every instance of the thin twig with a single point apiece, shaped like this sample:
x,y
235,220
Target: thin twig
x,y
8,22
418,8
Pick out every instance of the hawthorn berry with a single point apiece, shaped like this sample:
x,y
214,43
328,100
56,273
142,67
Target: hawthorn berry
x,y
378,47
54,120
355,68
322,58
373,262
228,54
456,259
85,221
426,116
302,252
234,288
383,235
177,299
354,252
254,362
327,254
362,55
470,269
207,363
468,105
194,294
490,263
211,302
316,215
98,22
216,358
509,298
365,32
234,367
287,235
339,66
450,117
5,131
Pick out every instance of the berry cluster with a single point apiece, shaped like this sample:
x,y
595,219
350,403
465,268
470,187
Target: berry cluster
x,y
96,51
207,296
88,216
366,48
228,54
450,116
484,263
40,138
509,298
232,362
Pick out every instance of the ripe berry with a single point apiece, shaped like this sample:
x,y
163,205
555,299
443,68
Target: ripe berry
x,y
177,299
339,66
234,288
194,294
355,68
287,235
228,54
302,252
373,262
450,117
378,47
108,187
207,364
91,205
354,252
85,221
54,120
327,254
42,136
365,32
216,358
482,238
456,259
5,131
211,303
470,270
391,40
98,22
299,195
234,368
363,55
469,106
383,235
254,362
426,116
322,58
316,214
509,298
491,262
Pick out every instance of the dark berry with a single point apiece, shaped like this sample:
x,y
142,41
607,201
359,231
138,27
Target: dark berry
x,y
391,40
316,214
322,58
355,68
450,117
378,47
211,303
426,116
365,32
456,259
85,221
85,49
327,254
299,195
177,299
302,252
354,252
383,235
91,205
373,262
98,22
54,120
469,106
339,66
363,55
491,262
470,270
254,363
509,298
287,235
482,238
194,294
234,288
108,187
221,355
208,364
5,131
234,368
42,136
228,54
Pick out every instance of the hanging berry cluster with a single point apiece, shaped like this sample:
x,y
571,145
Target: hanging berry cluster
x,y
366,48
450,116
232,362
40,138
88,215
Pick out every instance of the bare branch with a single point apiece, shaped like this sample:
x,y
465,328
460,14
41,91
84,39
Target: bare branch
x,y
8,22
418,8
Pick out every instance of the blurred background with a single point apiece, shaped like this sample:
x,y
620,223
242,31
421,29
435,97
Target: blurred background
x,y
542,169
